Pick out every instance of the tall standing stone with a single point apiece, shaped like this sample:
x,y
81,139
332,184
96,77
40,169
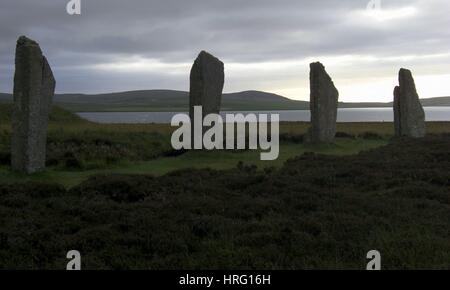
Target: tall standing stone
x,y
323,105
207,81
206,85
34,86
409,116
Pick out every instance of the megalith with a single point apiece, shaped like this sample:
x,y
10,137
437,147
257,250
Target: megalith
x,y
34,86
409,116
323,105
206,84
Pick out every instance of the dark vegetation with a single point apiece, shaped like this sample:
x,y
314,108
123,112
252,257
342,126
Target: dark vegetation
x,y
74,143
316,212
98,149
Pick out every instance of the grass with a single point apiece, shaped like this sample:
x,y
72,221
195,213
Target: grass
x,y
78,149
196,159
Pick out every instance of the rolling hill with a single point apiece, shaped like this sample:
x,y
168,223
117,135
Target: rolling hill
x,y
170,100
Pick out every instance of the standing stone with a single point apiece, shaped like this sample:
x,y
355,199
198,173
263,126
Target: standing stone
x,y
397,111
409,116
323,105
207,80
34,86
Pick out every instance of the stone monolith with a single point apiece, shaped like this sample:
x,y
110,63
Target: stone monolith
x,y
206,84
323,105
409,116
34,86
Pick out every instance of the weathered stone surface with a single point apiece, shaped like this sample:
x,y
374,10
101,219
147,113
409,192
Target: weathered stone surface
x,y
397,110
323,105
409,116
34,86
207,80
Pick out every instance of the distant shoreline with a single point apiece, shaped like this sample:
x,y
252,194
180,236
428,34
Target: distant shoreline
x,y
345,115
229,110
178,101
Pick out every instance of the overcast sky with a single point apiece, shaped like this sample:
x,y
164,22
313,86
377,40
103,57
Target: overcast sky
x,y
118,45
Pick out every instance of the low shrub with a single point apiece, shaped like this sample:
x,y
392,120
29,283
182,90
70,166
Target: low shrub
x,y
316,212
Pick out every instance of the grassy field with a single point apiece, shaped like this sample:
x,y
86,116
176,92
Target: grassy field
x,y
197,159
78,149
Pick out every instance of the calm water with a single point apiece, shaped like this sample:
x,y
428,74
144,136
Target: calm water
x,y
344,115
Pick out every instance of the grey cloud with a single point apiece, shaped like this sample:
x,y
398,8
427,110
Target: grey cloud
x,y
174,31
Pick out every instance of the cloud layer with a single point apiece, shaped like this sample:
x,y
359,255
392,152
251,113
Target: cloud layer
x,y
267,45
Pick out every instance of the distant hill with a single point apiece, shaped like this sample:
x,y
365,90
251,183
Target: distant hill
x,y
169,100
431,102
442,101
57,114
5,97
